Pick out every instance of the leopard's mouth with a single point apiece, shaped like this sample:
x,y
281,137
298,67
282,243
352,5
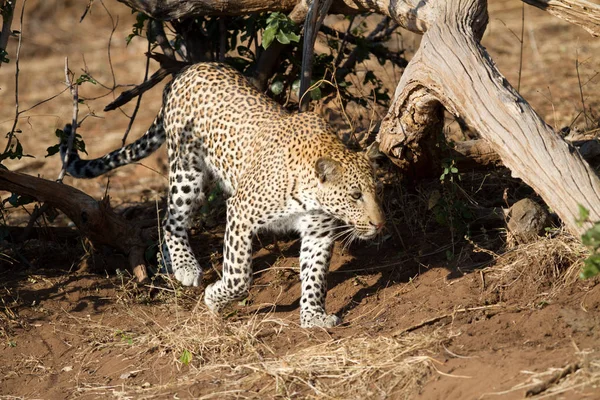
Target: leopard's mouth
x,y
365,232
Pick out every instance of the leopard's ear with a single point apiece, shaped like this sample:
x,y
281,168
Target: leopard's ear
x,y
372,152
328,169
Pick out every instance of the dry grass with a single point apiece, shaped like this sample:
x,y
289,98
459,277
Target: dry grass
x,y
541,269
249,357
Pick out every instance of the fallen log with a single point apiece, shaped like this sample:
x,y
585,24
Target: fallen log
x,y
94,219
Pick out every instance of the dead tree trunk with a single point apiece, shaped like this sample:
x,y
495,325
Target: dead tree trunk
x,y
455,69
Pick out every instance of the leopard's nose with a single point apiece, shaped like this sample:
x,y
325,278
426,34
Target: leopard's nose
x,y
378,225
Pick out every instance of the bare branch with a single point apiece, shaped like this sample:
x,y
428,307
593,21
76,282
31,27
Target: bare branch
x,y
75,94
11,134
8,10
139,99
414,15
579,12
154,80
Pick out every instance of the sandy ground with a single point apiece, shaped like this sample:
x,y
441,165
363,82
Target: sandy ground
x,y
425,317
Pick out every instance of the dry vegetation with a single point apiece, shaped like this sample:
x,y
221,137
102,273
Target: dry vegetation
x,y
428,314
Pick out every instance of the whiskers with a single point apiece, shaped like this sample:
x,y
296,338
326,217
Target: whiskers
x,y
349,239
344,230
348,234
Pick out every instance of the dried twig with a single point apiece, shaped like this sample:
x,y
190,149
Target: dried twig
x,y
439,318
11,134
39,211
557,376
154,80
87,9
75,93
139,99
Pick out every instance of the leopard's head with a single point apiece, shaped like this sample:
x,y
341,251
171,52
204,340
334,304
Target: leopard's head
x,y
347,189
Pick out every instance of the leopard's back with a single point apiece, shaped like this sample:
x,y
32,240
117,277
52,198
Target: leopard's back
x,y
211,110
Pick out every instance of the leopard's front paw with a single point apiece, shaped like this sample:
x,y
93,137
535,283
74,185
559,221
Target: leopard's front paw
x,y
189,275
322,320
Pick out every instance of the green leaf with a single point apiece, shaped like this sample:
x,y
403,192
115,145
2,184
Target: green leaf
x,y
276,87
454,170
591,237
584,214
316,94
293,37
85,78
296,86
591,267
4,56
282,38
129,37
186,357
16,200
52,150
268,36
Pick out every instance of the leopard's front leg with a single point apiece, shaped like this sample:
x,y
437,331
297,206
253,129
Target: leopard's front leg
x,y
317,231
237,262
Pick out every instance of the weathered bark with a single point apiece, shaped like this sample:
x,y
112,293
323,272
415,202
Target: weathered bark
x,y
94,219
579,12
482,153
454,68
414,15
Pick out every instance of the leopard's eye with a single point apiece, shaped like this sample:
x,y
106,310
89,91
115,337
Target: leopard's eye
x,y
356,195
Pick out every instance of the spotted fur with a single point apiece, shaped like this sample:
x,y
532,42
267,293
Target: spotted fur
x,y
282,171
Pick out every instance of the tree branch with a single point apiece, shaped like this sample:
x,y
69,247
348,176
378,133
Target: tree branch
x,y
455,69
578,12
314,19
167,68
94,219
8,10
414,15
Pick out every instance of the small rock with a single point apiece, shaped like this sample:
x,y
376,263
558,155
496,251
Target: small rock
x,y
67,368
527,220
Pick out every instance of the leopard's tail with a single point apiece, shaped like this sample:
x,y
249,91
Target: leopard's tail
x,y
141,148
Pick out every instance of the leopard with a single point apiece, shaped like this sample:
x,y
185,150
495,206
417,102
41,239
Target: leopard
x,y
282,171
